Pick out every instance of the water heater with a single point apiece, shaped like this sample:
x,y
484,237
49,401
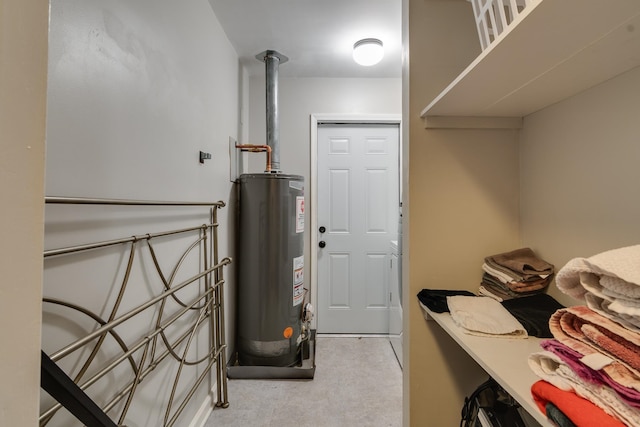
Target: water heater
x,y
271,265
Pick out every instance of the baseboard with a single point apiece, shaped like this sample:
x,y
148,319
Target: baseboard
x,y
205,410
331,335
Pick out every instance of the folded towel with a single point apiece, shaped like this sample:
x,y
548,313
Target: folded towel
x,y
523,262
600,333
513,289
623,310
496,283
615,271
534,312
566,325
484,316
580,411
573,359
500,275
531,285
485,290
551,368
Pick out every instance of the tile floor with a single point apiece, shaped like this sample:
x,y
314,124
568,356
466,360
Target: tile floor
x,y
358,382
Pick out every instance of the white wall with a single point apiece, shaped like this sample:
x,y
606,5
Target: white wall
x,y
579,173
298,99
23,77
136,90
301,97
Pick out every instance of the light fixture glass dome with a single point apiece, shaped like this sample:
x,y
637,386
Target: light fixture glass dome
x,y
368,52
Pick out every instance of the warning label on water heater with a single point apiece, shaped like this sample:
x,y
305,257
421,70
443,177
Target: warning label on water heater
x,y
298,280
299,214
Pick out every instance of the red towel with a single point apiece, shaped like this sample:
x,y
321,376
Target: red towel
x,y
580,411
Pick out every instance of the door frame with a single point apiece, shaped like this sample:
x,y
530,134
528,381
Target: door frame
x,y
320,119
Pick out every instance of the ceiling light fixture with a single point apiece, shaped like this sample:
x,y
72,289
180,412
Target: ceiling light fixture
x,y
368,52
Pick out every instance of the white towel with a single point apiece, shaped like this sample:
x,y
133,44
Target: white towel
x,y
502,277
484,316
616,271
623,311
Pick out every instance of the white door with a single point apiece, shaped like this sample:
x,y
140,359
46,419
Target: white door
x,y
358,208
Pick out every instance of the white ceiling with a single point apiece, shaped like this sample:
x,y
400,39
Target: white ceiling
x,y
316,35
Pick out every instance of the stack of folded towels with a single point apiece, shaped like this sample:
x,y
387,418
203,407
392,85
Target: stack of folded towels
x,y
514,274
590,370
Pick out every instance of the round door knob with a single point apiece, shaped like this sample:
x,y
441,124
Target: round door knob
x,y
322,243
322,229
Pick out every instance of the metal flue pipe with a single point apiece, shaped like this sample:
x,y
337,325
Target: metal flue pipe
x,y
272,60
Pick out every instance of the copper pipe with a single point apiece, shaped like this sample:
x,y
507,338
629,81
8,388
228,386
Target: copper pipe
x,y
257,149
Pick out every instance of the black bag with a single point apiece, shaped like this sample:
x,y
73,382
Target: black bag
x,y
491,404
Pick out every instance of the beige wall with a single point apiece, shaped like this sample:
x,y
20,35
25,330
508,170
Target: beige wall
x,y
23,77
580,173
564,185
463,195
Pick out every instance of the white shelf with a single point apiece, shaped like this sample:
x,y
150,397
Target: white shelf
x,y
556,49
504,359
